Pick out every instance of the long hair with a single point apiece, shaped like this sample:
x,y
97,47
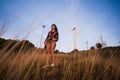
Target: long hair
x,y
55,27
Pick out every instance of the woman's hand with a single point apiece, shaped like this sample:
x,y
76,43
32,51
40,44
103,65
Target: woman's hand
x,y
53,39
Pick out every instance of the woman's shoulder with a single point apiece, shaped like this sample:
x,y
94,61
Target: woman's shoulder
x,y
49,32
56,32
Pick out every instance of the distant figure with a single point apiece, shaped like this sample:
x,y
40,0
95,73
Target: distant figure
x,y
50,44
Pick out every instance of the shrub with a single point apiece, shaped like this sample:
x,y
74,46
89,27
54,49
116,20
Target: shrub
x,y
92,48
99,45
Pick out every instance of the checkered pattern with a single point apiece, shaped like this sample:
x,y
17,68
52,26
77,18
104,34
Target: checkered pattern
x,y
52,35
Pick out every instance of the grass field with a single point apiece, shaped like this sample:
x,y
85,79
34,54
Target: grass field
x,y
98,64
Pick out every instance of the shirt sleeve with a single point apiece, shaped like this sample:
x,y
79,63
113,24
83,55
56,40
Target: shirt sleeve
x,y
56,37
47,37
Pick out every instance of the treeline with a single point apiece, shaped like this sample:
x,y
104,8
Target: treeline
x,y
15,45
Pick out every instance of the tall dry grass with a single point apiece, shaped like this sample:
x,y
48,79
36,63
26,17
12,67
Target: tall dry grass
x,y
86,65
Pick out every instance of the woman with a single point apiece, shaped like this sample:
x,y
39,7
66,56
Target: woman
x,y
50,44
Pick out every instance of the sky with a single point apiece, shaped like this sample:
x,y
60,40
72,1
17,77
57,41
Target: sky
x,y
23,19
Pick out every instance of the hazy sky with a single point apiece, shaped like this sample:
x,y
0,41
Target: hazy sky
x,y
92,18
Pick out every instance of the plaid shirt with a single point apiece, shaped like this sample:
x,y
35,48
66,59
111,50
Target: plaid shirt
x,y
51,36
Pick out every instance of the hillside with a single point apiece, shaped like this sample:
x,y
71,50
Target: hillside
x,y
96,64
15,45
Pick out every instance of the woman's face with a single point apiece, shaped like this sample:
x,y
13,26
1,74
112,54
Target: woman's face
x,y
53,28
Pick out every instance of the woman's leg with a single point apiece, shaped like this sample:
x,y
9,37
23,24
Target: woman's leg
x,y
47,52
53,44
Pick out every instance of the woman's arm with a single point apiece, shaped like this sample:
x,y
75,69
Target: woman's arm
x,y
56,37
46,38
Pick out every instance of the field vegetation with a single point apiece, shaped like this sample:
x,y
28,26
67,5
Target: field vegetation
x,y
20,60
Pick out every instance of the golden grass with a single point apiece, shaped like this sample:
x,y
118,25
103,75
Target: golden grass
x,y
88,65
